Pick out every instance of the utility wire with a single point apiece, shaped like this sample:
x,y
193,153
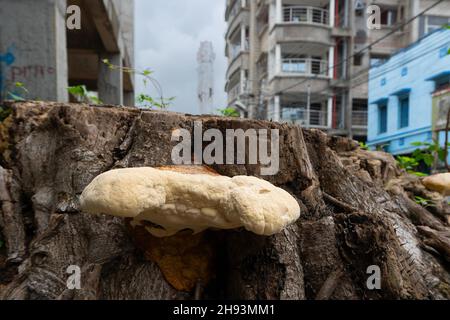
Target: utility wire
x,y
379,74
368,47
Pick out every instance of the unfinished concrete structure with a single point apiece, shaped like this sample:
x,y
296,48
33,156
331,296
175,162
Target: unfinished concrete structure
x,y
37,49
288,58
205,91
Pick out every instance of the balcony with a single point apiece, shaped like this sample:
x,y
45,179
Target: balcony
x,y
306,66
303,24
304,14
311,119
239,60
234,92
359,119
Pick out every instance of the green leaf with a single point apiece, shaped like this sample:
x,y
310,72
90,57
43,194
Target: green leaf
x,y
229,112
21,86
15,97
79,91
363,146
95,100
428,159
146,72
418,174
417,144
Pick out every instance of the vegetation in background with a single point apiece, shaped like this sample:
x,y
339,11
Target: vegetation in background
x,y
81,93
146,100
229,112
411,165
424,202
4,113
363,145
427,153
16,96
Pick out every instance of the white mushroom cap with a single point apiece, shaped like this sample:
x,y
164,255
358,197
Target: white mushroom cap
x,y
174,201
439,183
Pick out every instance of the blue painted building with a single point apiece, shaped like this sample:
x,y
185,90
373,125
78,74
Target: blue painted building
x,y
402,91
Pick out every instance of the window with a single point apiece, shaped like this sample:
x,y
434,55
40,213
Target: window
x,y
382,118
388,17
428,24
404,112
357,60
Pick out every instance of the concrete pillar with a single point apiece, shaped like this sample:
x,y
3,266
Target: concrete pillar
x,y
414,27
278,11
243,80
129,99
330,112
332,12
277,59
272,15
33,44
243,37
276,108
110,81
331,62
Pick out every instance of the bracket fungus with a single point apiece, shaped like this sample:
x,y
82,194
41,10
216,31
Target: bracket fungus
x,y
169,200
439,183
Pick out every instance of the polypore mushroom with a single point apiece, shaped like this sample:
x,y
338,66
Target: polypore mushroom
x,y
439,183
167,201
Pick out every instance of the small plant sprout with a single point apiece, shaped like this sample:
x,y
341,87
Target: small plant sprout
x,y
19,89
424,202
229,112
145,100
363,146
81,93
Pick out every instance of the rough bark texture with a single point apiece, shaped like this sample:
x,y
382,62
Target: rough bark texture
x,y
356,212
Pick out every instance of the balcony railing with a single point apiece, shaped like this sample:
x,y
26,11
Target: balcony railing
x,y
234,10
316,118
305,66
305,14
234,92
359,118
235,49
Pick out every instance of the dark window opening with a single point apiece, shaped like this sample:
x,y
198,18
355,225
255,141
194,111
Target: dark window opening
x,y
382,119
404,112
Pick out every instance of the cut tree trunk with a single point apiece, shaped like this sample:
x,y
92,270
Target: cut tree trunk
x,y
50,152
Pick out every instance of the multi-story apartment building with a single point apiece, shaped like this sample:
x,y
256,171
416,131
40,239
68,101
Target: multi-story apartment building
x,y
37,48
289,59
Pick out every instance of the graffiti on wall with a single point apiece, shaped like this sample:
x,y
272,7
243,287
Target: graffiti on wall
x,y
11,73
6,61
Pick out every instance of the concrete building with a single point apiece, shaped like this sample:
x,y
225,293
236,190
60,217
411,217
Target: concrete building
x,y
37,48
410,95
287,59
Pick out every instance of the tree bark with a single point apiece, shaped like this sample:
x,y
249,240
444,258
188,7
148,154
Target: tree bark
x,y
51,152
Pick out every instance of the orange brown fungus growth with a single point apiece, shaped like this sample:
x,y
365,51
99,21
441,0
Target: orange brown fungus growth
x,y
184,259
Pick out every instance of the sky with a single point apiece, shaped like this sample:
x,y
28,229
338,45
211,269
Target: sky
x,y
168,35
